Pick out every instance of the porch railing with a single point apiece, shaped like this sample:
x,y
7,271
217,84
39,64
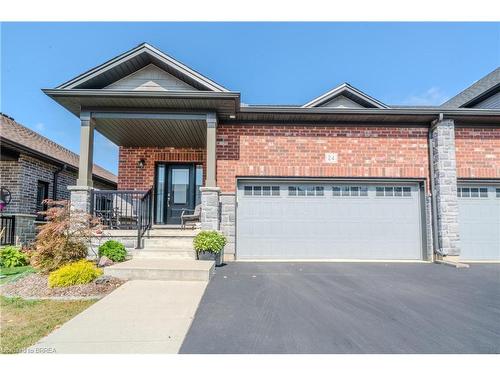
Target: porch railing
x,y
7,230
123,209
145,215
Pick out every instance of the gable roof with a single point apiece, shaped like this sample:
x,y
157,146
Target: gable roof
x,y
20,136
349,92
477,92
134,60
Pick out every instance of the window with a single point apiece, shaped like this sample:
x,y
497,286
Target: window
x,y
393,191
498,192
308,190
265,191
199,183
350,191
473,192
42,193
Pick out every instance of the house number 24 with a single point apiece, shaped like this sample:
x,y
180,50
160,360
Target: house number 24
x,y
331,157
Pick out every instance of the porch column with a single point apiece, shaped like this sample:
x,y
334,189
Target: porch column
x,y
211,149
86,150
210,206
81,193
444,181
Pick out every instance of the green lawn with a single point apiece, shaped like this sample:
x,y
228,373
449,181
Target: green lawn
x,y
24,322
8,275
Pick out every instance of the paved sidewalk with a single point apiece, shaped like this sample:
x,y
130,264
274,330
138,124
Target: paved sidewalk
x,y
142,316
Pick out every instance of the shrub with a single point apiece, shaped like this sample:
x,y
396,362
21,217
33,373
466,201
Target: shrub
x,y
63,239
81,272
114,250
11,256
209,241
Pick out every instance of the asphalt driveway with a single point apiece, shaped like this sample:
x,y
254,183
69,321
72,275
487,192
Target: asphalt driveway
x,y
348,308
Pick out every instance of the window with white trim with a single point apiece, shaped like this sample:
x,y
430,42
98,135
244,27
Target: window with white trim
x,y
472,192
350,191
393,191
258,190
306,190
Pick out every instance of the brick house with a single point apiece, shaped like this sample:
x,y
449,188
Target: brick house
x,y
343,176
34,168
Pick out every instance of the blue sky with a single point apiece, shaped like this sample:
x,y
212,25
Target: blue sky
x,y
269,63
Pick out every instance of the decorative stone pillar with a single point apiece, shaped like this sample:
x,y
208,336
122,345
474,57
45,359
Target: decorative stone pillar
x,y
445,188
228,224
210,208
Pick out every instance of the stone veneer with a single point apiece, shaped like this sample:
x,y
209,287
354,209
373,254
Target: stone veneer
x,y
210,208
445,187
228,224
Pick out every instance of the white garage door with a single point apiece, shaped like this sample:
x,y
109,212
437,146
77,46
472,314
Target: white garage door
x,y
479,207
296,220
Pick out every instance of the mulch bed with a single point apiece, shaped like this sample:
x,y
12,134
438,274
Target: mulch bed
x,y
35,286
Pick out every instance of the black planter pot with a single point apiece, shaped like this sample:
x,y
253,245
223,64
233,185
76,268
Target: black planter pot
x,y
205,255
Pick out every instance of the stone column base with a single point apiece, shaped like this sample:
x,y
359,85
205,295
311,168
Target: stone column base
x,y
450,260
80,198
210,211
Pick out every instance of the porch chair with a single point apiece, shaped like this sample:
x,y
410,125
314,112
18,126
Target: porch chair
x,y
194,217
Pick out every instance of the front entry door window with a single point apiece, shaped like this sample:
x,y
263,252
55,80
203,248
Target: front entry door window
x,y
175,192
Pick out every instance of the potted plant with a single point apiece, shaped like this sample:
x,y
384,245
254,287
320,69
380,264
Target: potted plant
x,y
208,245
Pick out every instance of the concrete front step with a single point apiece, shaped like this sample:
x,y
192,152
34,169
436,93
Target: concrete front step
x,y
169,242
162,269
163,253
160,232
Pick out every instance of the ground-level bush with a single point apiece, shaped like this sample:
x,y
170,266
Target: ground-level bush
x,y
114,250
64,238
81,272
11,256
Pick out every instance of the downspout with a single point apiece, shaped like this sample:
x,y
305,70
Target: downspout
x,y
435,237
55,181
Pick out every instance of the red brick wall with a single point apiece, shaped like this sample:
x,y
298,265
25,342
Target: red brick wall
x,y
276,150
477,152
130,176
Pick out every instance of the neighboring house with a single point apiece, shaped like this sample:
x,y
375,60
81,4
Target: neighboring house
x,y
32,169
343,176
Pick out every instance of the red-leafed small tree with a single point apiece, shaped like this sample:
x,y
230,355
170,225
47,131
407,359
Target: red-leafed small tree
x,y
64,238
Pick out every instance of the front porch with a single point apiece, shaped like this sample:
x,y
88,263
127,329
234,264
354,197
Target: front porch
x,y
163,115
167,169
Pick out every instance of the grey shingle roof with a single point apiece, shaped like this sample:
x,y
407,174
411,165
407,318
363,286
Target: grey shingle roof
x,y
475,90
21,135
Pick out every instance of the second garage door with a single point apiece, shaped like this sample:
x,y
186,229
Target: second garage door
x,y
297,220
479,207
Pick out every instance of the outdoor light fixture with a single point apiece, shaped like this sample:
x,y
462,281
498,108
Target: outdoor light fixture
x,y
141,163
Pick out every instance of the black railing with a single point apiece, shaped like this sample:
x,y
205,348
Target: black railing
x,y
117,209
145,215
8,230
124,209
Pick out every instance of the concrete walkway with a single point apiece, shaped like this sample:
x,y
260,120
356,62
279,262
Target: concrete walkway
x,y
142,316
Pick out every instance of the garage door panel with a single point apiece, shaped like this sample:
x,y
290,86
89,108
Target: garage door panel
x,y
479,219
328,225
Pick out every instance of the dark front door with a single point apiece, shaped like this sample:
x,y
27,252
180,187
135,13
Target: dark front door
x,y
175,192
